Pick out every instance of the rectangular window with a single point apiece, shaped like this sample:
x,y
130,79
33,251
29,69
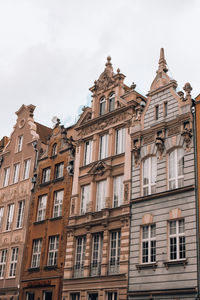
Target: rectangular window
x,y
46,175
27,163
97,243
118,191
13,263
148,243
112,296
6,176
16,173
19,143
80,256
85,198
53,250
115,237
101,195
47,295
37,246
177,239
120,140
30,296
156,112
20,214
10,212
58,202
165,109
88,152
59,170
103,152
149,175
3,255
1,215
42,202
75,296
176,168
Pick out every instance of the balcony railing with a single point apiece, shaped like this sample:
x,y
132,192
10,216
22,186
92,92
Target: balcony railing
x,y
113,267
78,270
95,269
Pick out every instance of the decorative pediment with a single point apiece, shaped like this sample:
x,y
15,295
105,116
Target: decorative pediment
x,y
85,116
99,168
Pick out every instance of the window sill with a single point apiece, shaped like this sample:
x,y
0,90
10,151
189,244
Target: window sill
x,y
56,218
46,268
45,183
53,156
58,179
33,269
147,266
39,222
174,263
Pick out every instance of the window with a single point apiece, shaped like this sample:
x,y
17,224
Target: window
x,y
53,250
1,215
42,202
111,102
101,195
120,140
165,109
115,237
80,256
103,146
93,296
176,168
3,255
112,296
30,296
149,175
85,198
46,174
88,152
19,143
37,245
148,243
47,295
13,263
58,201
177,239
156,112
6,176
75,296
26,168
16,173
102,106
118,191
54,150
10,213
20,214
59,170
97,241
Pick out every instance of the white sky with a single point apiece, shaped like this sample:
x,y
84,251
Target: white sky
x,y
52,50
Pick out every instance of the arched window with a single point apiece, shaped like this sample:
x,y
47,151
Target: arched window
x,y
54,150
149,175
176,168
111,102
102,106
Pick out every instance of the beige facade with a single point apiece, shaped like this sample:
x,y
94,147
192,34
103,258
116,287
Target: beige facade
x,y
18,160
97,252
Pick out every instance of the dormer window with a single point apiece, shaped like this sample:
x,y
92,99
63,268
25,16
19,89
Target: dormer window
x,y
102,106
111,102
54,150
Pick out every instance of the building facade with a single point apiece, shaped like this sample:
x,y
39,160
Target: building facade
x,y
97,252
163,252
44,254
17,162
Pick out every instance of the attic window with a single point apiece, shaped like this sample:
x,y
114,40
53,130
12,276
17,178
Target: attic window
x,y
156,112
102,106
111,102
54,150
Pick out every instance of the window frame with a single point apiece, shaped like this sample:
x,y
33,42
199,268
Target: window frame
x,y
59,169
46,175
6,176
88,152
103,146
85,198
13,262
177,178
96,255
120,134
114,252
101,187
3,259
41,216
52,259
79,256
27,164
58,212
54,151
20,214
10,215
177,236
111,102
150,186
36,253
118,190
16,172
102,106
150,241
19,143
1,215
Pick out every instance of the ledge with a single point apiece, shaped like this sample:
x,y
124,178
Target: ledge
x,y
58,179
45,183
147,266
53,156
39,222
174,263
56,218
47,268
33,269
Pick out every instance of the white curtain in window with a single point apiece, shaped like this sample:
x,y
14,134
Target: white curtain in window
x,y
101,195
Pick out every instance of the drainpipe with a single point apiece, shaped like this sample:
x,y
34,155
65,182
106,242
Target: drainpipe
x,y
193,110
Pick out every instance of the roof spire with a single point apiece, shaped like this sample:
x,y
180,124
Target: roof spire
x,y
162,62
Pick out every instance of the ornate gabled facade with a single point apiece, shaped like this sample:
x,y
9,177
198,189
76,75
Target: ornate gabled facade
x,y
17,162
163,254
44,254
97,251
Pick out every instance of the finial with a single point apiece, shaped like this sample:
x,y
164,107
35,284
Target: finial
x,y
118,70
133,86
162,62
108,61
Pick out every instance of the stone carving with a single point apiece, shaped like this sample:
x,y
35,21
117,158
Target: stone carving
x,y
136,151
187,88
126,192
106,78
187,136
99,168
159,141
148,139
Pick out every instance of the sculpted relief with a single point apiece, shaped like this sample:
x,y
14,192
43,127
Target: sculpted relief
x,y
12,193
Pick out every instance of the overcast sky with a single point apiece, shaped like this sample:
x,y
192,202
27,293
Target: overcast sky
x,y
52,50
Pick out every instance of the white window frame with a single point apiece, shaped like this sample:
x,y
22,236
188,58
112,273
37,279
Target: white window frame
x,y
16,169
36,253
115,247
19,143
112,102
148,244
101,195
177,180
20,214
6,176
88,152
10,214
85,198
97,245
27,164
53,250
54,149
59,170
149,173
41,211
13,262
120,140
103,146
58,202
102,106
3,257
179,238
118,190
111,295
1,215
80,256
46,173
